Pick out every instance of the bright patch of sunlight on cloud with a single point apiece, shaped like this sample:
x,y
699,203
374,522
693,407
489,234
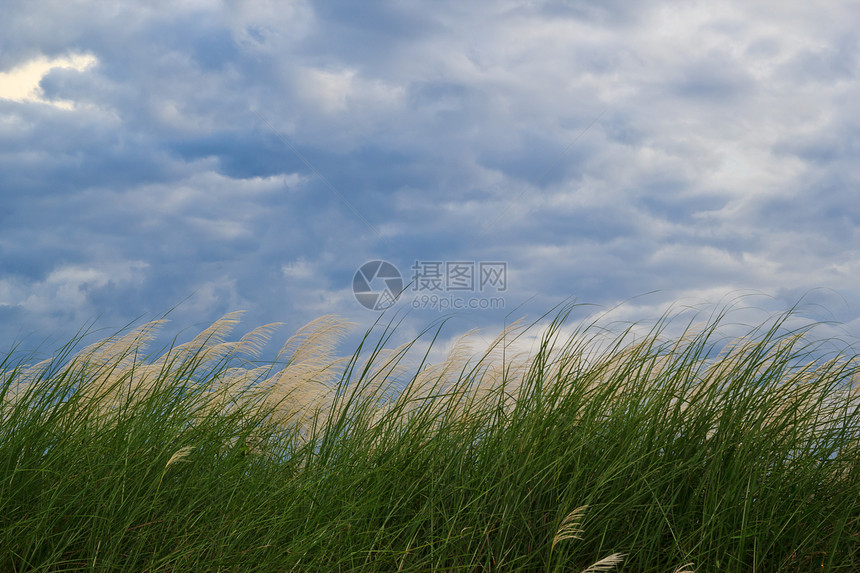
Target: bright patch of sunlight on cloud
x,y
21,84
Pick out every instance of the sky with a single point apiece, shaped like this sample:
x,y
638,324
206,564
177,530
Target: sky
x,y
499,158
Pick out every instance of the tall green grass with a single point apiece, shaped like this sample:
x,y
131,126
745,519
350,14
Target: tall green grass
x,y
636,452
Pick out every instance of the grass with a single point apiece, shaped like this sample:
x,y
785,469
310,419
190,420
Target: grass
x,y
640,453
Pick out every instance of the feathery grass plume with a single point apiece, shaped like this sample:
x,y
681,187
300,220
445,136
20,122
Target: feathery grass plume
x,y
783,389
390,391
499,372
181,455
383,369
117,351
571,526
507,364
108,379
605,564
467,377
306,384
16,383
33,372
436,378
253,343
121,377
208,344
103,366
316,340
230,388
90,381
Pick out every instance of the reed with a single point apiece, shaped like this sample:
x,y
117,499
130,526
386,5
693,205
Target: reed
x,y
680,453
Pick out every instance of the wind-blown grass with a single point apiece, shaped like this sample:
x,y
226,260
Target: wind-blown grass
x,y
634,453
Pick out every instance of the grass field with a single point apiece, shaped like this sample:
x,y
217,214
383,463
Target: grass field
x,y
630,452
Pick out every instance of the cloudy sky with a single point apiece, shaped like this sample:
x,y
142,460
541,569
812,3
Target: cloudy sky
x,y
254,155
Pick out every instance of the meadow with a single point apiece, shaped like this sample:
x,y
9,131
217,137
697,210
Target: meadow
x,y
598,450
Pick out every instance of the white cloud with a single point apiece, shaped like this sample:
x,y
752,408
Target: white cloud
x,y
230,203
300,270
216,296
67,287
21,84
345,91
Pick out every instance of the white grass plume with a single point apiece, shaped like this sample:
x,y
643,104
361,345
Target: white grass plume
x,y
306,384
605,564
571,526
181,455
